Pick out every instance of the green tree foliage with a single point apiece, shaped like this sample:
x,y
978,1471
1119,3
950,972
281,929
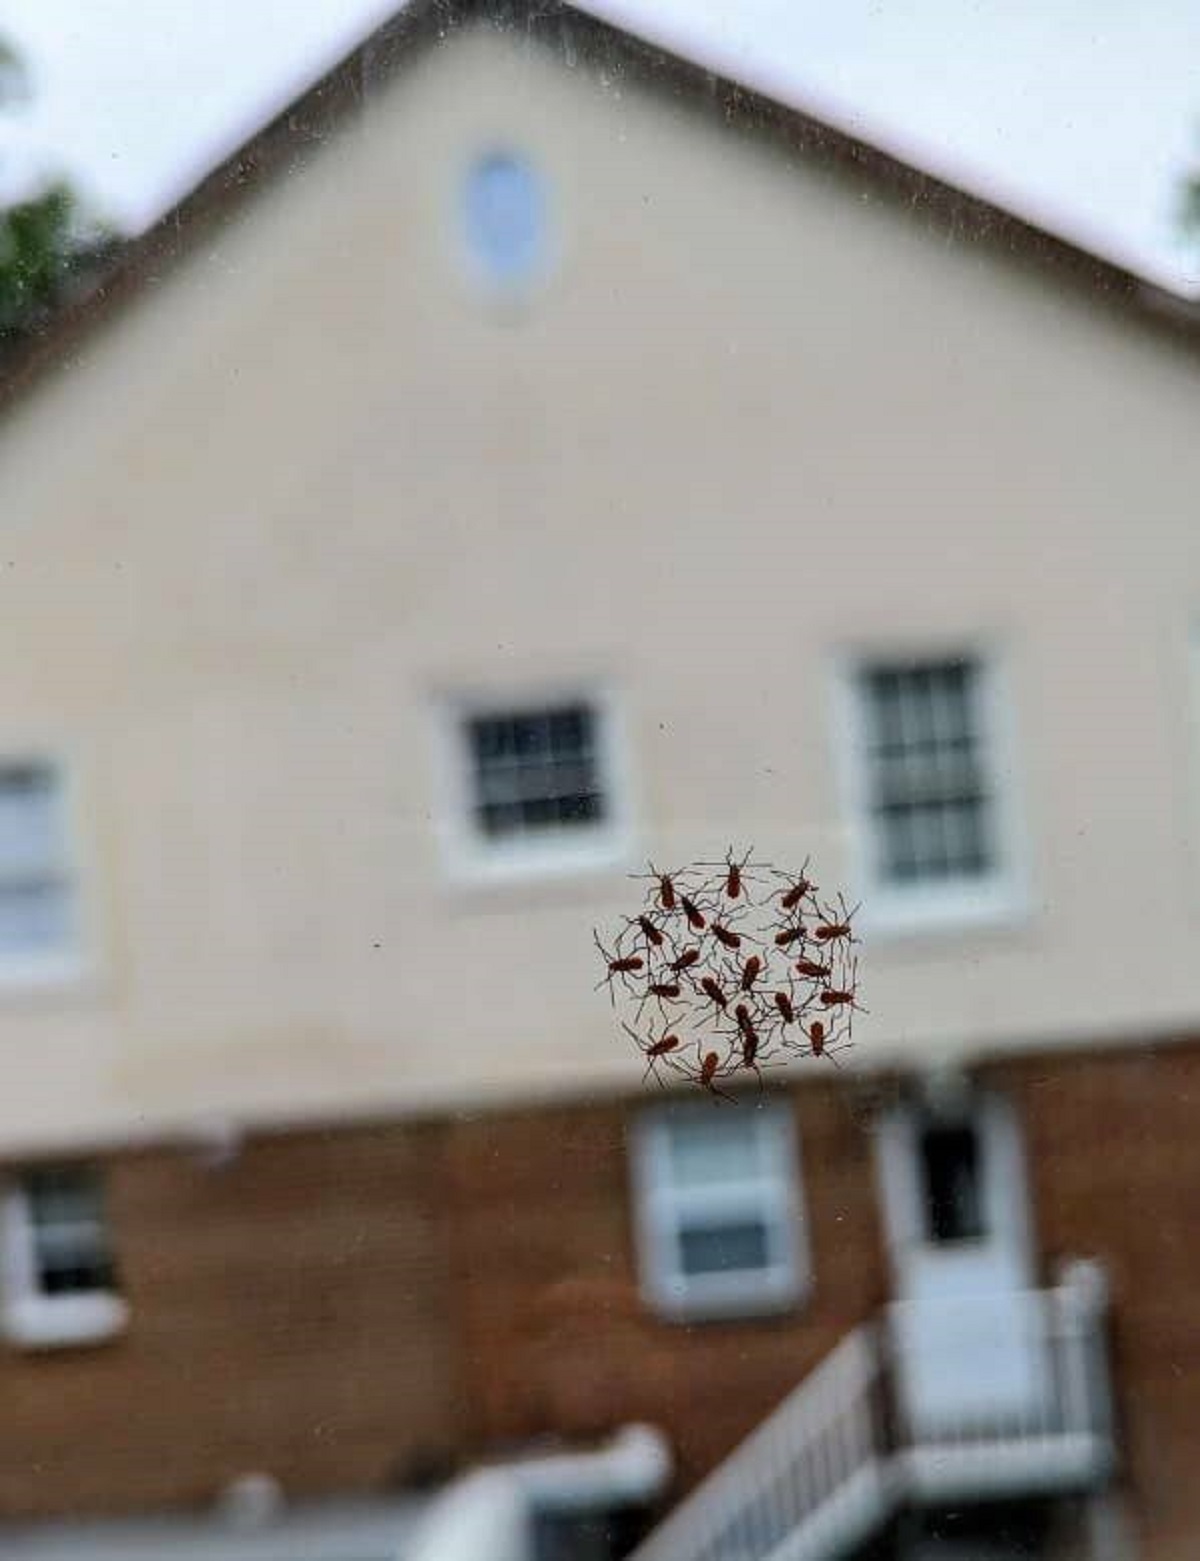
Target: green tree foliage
x,y
37,250
1189,206
41,251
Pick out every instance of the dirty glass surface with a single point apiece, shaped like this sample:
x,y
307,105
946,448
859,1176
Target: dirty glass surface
x,y
599,773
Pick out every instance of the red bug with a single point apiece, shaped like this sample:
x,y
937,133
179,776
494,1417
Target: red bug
x,y
844,996
731,940
810,968
663,991
693,913
666,888
831,931
713,992
618,965
651,932
788,936
797,889
751,971
664,885
686,960
795,894
654,1051
787,1009
733,872
819,1038
708,1071
749,1041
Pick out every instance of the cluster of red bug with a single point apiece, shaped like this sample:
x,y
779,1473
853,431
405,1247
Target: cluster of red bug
x,y
728,967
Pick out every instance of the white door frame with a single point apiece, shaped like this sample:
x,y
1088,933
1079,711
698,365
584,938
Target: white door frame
x,y
1004,1191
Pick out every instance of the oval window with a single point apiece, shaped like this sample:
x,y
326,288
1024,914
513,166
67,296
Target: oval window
x,y
504,217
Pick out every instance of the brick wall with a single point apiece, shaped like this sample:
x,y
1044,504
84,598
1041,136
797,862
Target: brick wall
x,y
341,1308
1113,1143
554,1331
289,1313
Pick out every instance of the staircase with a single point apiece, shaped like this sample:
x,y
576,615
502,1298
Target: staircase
x,y
852,1444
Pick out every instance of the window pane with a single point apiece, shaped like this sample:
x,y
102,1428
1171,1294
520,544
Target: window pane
x,y
504,216
583,808
950,1172
703,1152
535,770
35,917
717,1249
84,1276
929,801
31,825
70,1241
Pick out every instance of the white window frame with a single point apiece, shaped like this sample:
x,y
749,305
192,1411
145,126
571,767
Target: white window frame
x,y
22,969
997,899
29,1316
776,1197
474,859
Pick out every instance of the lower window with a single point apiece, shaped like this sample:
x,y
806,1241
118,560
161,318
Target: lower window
x,y
60,1284
719,1211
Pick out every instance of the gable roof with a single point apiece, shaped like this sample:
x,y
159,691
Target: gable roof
x,y
574,33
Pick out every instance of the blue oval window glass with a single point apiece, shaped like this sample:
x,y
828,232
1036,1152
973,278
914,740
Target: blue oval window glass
x,y
505,217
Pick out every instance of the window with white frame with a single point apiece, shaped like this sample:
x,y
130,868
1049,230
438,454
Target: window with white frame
x,y
719,1211
536,785
935,828
59,1279
37,908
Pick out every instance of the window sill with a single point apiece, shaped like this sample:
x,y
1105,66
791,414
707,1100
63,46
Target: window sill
x,y
888,915
35,973
544,861
728,1303
64,1322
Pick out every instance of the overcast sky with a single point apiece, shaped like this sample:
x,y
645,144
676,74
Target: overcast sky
x,y
1083,115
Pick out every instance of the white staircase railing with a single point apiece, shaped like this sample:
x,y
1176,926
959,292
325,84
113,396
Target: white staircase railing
x,y
1034,1414
846,1448
811,1479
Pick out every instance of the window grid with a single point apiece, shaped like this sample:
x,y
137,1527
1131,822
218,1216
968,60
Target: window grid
x,y
929,802
536,770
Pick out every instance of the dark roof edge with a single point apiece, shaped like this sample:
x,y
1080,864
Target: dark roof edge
x,y
303,127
